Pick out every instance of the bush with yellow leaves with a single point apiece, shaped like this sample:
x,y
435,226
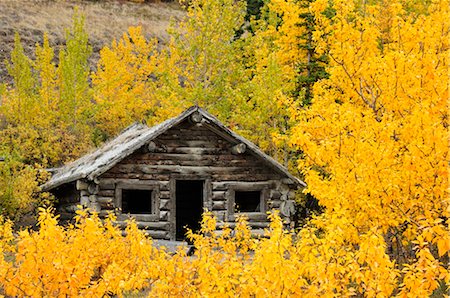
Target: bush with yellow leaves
x,y
95,258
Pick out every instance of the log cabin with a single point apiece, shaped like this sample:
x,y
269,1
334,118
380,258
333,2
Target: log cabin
x,y
165,176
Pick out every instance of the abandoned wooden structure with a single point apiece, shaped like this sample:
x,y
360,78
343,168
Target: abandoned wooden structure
x,y
165,176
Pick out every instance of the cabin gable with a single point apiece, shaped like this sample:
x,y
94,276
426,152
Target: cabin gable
x,y
166,176
193,152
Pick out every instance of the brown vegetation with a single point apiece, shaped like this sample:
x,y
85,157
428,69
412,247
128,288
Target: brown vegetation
x,y
105,20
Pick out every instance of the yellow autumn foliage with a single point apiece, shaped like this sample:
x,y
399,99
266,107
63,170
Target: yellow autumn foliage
x,y
373,147
375,141
92,258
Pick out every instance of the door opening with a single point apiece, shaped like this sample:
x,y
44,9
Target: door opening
x,y
189,206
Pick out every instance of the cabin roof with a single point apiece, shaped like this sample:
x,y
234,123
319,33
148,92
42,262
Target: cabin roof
x,y
93,164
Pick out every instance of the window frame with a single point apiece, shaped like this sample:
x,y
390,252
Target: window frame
x,y
231,199
138,185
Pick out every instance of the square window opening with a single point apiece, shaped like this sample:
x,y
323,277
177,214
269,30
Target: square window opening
x,y
247,201
137,201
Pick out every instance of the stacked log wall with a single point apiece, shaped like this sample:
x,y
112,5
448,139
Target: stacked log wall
x,y
194,151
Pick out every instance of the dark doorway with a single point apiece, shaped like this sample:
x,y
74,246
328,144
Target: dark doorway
x,y
189,206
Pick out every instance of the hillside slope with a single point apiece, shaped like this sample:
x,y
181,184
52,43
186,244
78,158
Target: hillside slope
x,y
105,20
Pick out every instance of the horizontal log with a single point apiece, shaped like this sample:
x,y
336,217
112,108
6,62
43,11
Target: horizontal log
x,y
102,199
218,195
157,225
155,234
177,132
107,206
155,177
250,216
114,177
247,177
195,150
197,160
220,215
224,185
255,233
202,143
193,137
225,177
219,205
164,194
138,217
253,225
228,157
106,193
106,185
177,169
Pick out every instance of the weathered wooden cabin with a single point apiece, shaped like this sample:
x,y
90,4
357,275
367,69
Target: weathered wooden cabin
x,y
165,176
